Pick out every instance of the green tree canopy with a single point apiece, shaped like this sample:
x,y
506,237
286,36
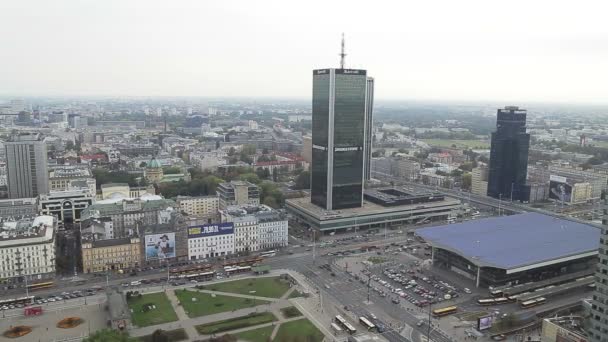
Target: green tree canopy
x,y
109,335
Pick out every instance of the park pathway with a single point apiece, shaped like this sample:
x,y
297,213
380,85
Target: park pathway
x,y
181,313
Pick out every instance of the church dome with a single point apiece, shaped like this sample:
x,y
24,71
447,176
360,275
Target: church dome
x,y
154,164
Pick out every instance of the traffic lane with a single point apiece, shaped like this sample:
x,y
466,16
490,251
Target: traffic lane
x,y
58,305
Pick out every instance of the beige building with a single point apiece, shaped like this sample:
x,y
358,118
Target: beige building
x,y
123,190
205,206
479,180
307,148
112,254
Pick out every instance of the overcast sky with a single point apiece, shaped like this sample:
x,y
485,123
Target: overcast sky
x,y
534,50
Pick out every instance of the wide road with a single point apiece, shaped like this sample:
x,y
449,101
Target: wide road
x,y
354,296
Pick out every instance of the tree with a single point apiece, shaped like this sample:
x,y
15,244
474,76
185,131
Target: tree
x,y
231,151
160,335
106,335
303,181
264,150
250,177
69,145
171,170
595,161
143,164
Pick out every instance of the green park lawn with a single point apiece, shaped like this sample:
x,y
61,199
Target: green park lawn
x,y
271,287
473,144
301,328
256,335
207,304
235,323
163,313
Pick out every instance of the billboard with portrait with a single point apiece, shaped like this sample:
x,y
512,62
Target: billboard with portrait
x,y
484,322
160,246
559,189
206,230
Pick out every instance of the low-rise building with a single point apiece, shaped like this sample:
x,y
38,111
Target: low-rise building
x,y
123,190
564,329
27,248
238,193
66,205
18,207
67,177
257,227
111,254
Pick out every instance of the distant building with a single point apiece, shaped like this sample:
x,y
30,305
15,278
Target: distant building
x,y
509,155
111,254
443,158
238,193
479,180
27,248
154,171
26,166
123,190
206,206
18,207
307,148
68,177
408,169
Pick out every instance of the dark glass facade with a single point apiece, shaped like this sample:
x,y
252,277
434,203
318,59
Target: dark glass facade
x,y
509,156
369,128
338,125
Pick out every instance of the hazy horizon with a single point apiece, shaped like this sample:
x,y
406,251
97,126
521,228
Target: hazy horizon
x,y
471,51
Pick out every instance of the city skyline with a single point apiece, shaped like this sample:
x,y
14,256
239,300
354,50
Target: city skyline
x,y
463,52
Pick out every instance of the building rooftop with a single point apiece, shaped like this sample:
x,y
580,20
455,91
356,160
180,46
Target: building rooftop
x,y
117,207
111,242
69,171
367,209
514,242
27,230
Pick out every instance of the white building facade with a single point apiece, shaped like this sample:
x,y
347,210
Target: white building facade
x,y
210,240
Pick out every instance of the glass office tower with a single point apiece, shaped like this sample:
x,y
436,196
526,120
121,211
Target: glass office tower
x,y
338,137
369,129
509,156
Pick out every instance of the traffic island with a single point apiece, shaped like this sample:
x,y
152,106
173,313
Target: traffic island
x,y
69,322
18,331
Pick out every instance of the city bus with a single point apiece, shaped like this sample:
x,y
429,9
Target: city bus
x,y
367,324
486,301
203,276
336,328
445,311
230,270
533,302
40,286
269,254
496,292
344,324
245,262
190,269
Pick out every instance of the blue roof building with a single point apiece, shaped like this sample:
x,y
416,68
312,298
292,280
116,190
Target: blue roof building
x,y
506,249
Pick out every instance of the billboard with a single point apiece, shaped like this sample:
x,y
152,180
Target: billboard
x,y
559,189
160,246
206,230
484,322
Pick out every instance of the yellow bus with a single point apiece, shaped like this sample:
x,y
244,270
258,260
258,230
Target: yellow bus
x,y
445,311
40,286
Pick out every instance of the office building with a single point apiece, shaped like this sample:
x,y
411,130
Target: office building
x,y
479,180
111,254
338,137
369,128
509,156
18,207
26,166
598,330
27,248
238,193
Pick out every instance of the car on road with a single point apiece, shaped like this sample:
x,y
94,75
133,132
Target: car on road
x,y
420,323
125,284
395,301
467,291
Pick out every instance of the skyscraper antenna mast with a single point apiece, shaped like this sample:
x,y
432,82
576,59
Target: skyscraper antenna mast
x,y
342,54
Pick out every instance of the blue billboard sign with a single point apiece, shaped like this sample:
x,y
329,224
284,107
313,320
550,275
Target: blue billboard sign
x,y
210,230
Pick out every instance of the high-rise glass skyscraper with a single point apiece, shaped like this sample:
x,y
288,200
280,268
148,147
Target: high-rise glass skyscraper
x,y
26,166
598,327
338,137
369,128
509,156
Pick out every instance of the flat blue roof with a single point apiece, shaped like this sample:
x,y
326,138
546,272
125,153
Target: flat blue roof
x,y
515,241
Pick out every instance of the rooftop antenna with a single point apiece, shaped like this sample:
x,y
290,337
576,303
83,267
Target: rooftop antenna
x,y
342,54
